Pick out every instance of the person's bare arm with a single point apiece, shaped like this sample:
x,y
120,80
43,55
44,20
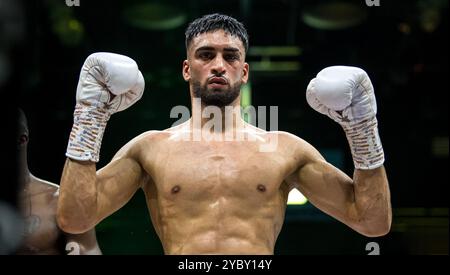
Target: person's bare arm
x,y
83,244
88,196
108,83
362,203
346,95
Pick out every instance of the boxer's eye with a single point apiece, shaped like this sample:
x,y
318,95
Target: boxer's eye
x,y
231,57
205,55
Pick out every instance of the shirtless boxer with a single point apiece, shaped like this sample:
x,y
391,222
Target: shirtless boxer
x,y
37,203
216,196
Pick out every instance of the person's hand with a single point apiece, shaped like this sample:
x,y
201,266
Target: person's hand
x,y
108,83
346,95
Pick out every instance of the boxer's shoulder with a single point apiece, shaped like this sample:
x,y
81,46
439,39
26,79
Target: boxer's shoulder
x,y
43,195
294,145
140,144
150,141
40,186
287,138
153,136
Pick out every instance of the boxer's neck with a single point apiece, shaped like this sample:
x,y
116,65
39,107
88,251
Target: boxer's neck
x,y
210,118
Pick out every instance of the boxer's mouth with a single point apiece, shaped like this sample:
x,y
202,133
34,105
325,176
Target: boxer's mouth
x,y
218,81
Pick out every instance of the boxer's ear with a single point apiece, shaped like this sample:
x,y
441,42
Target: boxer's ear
x,y
186,70
245,72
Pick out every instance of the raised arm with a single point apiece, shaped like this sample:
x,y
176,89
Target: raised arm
x,y
88,196
346,95
108,83
362,203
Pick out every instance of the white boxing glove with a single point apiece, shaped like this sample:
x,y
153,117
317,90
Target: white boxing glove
x,y
346,95
108,83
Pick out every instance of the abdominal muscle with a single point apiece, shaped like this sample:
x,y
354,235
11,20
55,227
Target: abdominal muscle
x,y
212,242
219,233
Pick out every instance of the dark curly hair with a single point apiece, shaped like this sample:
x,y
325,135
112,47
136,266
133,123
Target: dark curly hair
x,y
216,21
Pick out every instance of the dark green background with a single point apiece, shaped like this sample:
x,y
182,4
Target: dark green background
x,y
409,71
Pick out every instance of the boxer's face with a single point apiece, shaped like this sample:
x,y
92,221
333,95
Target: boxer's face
x,y
216,67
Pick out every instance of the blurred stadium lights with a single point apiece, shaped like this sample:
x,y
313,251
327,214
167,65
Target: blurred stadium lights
x,y
246,95
246,101
431,13
274,51
67,28
274,58
296,198
154,16
334,15
439,147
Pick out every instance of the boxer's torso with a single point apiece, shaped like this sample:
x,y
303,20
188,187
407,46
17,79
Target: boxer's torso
x,y
217,197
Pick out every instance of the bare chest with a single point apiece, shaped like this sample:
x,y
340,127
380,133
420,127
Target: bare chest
x,y
199,172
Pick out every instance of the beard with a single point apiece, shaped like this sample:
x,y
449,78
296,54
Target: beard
x,y
216,97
